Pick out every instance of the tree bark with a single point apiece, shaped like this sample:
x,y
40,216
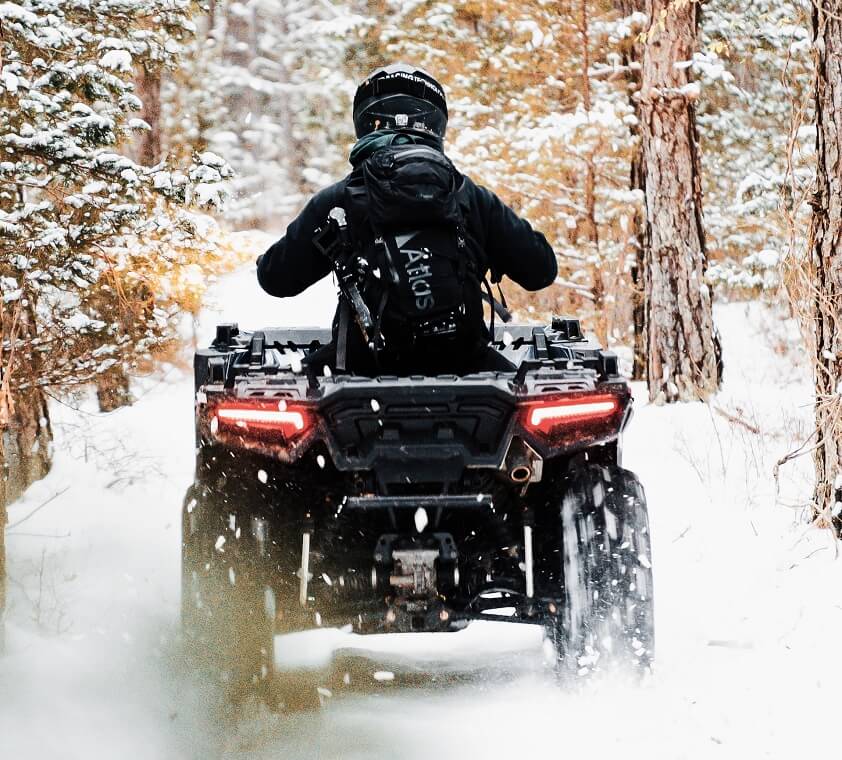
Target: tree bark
x,y
240,49
113,389
637,181
826,252
683,355
3,520
632,60
149,92
25,433
591,229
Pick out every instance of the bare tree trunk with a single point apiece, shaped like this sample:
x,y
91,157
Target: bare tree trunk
x,y
240,50
25,434
149,92
826,249
683,355
3,521
632,60
597,283
637,181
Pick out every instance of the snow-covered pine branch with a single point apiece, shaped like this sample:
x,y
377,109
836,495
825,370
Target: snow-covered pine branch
x,y
90,238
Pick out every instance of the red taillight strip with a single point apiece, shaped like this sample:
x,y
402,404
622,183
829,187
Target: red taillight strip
x,y
262,416
575,410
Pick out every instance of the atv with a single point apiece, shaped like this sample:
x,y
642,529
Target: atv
x,y
398,504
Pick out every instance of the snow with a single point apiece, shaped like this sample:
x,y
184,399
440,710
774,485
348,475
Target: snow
x,y
13,12
118,60
749,599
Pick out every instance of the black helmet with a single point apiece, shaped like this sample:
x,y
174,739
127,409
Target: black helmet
x,y
400,97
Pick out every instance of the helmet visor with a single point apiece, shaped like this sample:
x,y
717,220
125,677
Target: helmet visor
x,y
399,112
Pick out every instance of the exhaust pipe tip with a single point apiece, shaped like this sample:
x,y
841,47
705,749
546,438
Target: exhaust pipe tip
x,y
520,474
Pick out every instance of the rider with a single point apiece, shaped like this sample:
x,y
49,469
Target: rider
x,y
395,105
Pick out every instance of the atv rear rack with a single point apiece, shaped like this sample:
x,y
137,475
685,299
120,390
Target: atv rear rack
x,y
470,501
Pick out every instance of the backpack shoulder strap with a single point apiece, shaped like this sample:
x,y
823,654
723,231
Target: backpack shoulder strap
x,y
479,258
355,200
480,261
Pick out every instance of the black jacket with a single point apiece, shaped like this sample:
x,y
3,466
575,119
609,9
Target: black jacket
x,y
513,248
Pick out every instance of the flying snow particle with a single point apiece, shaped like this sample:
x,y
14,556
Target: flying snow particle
x,y
610,524
232,576
375,405
262,476
320,460
421,519
384,675
220,542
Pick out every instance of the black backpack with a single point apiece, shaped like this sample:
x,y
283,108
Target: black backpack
x,y
424,275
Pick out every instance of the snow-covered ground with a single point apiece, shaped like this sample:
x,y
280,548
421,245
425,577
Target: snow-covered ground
x,y
749,600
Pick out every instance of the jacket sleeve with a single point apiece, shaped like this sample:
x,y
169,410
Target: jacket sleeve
x,y
293,264
513,247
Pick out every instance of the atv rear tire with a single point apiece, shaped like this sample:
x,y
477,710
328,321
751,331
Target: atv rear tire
x,y
607,613
226,601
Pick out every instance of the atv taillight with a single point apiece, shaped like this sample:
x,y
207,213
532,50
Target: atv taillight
x,y
261,419
567,421
579,410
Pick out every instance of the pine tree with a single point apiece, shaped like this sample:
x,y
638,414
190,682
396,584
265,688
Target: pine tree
x,y
683,353
91,242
